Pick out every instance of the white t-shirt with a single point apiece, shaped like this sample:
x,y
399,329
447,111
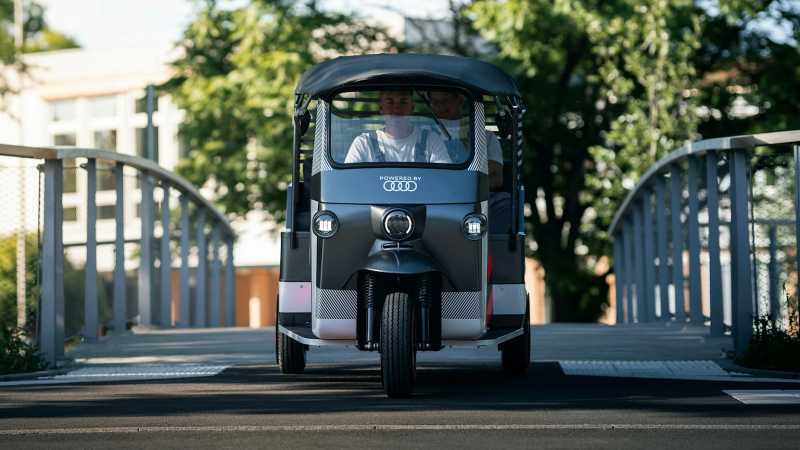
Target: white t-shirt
x,y
492,143
397,150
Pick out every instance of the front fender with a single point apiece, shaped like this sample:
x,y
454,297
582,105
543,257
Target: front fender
x,y
400,261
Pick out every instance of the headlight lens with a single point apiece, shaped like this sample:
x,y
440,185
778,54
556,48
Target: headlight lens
x,y
474,226
326,224
398,225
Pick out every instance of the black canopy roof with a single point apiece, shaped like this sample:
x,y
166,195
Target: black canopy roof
x,y
362,71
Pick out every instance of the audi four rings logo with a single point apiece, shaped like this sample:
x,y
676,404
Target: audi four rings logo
x,y
399,186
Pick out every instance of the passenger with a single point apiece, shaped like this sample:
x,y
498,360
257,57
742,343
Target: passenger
x,y
399,140
448,107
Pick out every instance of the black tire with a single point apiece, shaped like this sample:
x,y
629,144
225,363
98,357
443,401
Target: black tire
x,y
398,346
290,353
516,353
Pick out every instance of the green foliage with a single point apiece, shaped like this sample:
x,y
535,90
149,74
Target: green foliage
x,y
235,82
16,354
772,346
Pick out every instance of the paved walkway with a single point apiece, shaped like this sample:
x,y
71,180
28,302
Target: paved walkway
x,y
237,346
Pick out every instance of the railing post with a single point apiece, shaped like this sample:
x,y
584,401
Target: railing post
x,y
120,302
201,303
676,192
714,266
629,268
166,260
693,228
774,275
146,309
185,302
663,253
619,275
214,299
740,249
649,258
638,256
90,273
230,284
51,330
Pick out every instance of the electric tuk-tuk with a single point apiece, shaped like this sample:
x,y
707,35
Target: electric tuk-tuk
x,y
399,238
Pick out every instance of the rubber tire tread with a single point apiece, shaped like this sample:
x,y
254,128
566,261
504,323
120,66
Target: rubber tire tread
x,y
516,353
291,355
398,349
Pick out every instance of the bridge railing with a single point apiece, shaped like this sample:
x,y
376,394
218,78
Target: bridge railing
x,y
693,237
208,301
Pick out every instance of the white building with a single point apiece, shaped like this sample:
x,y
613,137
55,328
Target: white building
x,y
95,99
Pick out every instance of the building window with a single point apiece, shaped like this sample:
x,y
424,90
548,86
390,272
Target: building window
x,y
71,214
70,171
63,110
105,177
106,212
141,143
105,140
103,106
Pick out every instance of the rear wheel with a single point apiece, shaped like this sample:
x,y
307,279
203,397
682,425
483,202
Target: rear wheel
x,y
398,346
516,353
290,353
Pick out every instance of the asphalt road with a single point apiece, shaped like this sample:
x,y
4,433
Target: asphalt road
x,y
456,405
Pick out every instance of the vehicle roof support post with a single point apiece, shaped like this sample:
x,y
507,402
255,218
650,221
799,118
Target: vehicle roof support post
x,y
90,271
293,195
627,227
619,277
185,319
693,228
740,251
51,329
649,313
201,303
662,247
120,300
215,302
230,284
146,300
166,260
638,257
516,166
774,274
714,266
676,191
797,215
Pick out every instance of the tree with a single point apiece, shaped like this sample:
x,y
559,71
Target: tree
x,y
235,83
595,109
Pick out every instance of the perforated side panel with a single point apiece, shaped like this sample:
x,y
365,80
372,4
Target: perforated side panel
x,y
480,163
335,304
461,305
321,163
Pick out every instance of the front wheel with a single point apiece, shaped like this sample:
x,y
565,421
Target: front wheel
x,y
516,353
398,346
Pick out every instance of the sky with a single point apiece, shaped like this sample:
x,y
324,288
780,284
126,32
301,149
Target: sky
x,y
103,24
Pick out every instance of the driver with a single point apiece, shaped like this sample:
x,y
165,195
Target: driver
x,y
399,140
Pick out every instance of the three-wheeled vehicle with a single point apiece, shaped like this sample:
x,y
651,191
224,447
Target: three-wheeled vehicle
x,y
404,222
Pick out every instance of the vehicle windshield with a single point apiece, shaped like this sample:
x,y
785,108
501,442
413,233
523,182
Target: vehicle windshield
x,y
401,126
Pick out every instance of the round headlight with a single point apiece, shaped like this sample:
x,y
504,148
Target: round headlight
x,y
398,225
325,224
474,226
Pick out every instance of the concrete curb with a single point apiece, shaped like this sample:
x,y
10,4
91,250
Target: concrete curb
x,y
67,365
731,366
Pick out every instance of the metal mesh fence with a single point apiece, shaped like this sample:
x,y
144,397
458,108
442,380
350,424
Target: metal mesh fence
x,y
20,234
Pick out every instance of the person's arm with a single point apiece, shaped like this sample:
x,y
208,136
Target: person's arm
x,y
358,151
437,150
